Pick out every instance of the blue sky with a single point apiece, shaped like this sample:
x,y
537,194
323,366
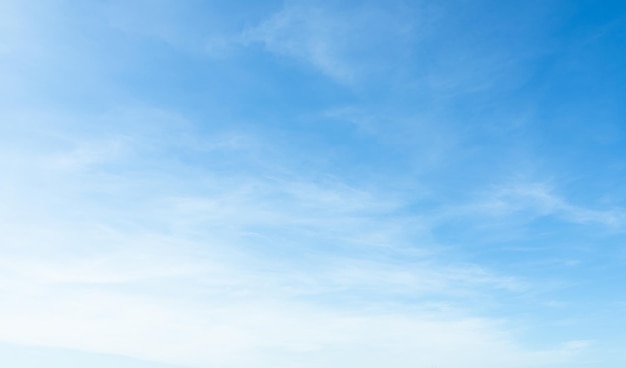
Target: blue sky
x,y
312,184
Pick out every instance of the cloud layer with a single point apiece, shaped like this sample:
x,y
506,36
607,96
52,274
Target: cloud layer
x,y
297,185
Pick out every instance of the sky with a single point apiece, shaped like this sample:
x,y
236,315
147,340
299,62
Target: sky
x,y
304,184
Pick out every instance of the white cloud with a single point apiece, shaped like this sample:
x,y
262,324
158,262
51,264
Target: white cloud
x,y
227,269
343,44
539,199
111,242
263,332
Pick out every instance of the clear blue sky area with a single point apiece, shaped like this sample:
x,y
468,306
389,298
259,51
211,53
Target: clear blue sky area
x,y
305,184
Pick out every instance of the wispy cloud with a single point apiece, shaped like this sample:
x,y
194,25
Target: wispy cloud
x,y
154,208
226,269
343,44
537,199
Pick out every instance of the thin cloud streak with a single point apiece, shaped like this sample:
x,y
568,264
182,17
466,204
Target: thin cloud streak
x,y
205,279
149,211
338,43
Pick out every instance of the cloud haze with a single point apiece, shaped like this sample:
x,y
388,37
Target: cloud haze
x,y
189,184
